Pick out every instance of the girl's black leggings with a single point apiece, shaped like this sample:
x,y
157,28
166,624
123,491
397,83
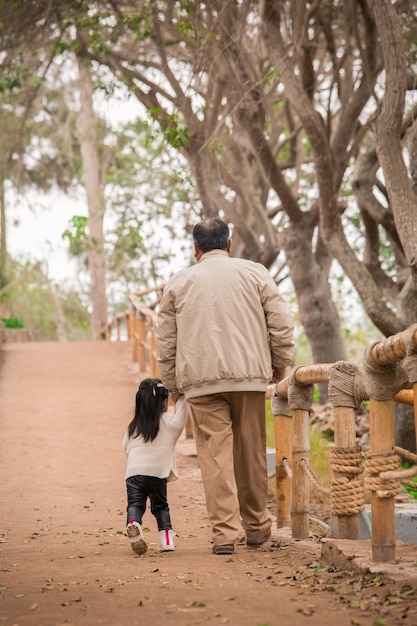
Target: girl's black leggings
x,y
139,489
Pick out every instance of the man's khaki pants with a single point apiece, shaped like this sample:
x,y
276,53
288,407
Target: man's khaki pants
x,y
230,436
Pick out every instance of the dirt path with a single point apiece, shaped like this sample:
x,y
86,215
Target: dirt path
x,y
64,557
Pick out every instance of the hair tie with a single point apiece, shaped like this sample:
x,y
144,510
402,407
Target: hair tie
x,y
160,390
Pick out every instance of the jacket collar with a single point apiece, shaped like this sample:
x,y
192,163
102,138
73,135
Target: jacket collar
x,y
213,253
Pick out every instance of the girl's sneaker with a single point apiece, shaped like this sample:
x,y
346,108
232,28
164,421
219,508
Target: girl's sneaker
x,y
166,540
137,542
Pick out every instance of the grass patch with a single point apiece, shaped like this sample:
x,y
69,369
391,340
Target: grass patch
x,y
319,456
12,322
319,444
411,490
270,429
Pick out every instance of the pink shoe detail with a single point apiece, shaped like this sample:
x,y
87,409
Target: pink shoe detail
x,y
166,540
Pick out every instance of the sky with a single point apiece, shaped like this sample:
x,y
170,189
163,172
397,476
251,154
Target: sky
x,y
35,222
35,227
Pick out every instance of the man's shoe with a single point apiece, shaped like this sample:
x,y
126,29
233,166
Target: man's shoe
x,y
166,540
226,548
137,542
256,543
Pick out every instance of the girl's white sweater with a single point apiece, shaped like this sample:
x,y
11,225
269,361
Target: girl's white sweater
x,y
157,457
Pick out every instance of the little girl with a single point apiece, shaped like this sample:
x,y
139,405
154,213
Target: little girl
x,y
149,444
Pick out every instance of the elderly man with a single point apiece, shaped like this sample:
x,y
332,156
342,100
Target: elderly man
x,y
224,331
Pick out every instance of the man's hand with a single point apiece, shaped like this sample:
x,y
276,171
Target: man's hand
x,y
175,396
277,374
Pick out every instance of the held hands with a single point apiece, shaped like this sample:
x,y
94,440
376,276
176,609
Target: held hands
x,y
277,374
174,396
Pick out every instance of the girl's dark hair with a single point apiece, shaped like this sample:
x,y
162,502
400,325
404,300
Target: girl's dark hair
x,y
149,407
211,234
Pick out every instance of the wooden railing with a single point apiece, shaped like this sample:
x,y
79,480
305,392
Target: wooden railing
x,y
138,322
389,365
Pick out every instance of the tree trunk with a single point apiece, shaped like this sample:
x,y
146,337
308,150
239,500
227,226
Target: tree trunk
x,y
60,321
318,314
404,428
3,240
95,200
389,124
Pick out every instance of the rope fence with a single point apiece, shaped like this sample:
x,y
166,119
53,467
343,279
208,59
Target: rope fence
x,y
389,374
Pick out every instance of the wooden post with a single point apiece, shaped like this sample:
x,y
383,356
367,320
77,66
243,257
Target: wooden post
x,y
133,337
345,437
153,355
283,482
141,343
129,329
300,481
383,509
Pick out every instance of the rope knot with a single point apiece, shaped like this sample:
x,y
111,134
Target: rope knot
x,y
346,491
346,387
380,473
382,382
279,406
299,396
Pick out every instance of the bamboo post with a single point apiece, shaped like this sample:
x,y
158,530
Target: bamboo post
x,y
406,396
386,352
394,348
383,509
345,437
283,481
300,482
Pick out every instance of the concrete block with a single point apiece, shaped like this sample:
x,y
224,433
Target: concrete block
x,y
270,459
405,523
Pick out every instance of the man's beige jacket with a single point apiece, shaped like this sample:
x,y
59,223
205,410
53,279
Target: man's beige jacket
x,y
222,324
